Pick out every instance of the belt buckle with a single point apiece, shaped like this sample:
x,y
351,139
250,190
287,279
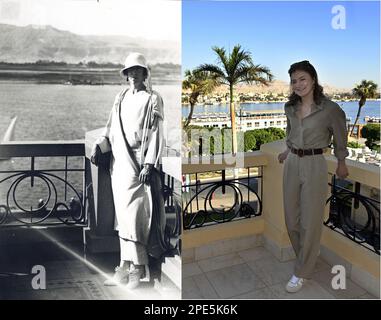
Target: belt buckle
x,y
300,153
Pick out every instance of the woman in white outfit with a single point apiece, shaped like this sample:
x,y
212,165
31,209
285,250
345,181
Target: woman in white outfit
x,y
134,135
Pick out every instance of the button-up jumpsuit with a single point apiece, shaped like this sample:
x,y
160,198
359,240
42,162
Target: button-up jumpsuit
x,y
305,178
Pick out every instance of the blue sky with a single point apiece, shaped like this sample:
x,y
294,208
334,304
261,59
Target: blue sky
x,y
280,33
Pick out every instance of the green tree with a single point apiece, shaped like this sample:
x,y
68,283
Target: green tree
x,y
233,68
250,141
372,134
199,83
267,135
365,90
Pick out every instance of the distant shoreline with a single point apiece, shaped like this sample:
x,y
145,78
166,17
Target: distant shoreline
x,y
265,102
121,83
79,75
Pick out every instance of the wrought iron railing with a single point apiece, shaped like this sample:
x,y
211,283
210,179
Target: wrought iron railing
x,y
218,199
354,215
172,203
61,202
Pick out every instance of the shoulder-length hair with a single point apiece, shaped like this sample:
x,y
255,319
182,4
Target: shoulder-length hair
x,y
306,66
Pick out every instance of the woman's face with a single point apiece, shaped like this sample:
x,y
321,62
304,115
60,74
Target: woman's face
x,y
135,75
302,83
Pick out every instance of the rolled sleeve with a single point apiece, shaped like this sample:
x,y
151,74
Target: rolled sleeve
x,y
288,128
340,135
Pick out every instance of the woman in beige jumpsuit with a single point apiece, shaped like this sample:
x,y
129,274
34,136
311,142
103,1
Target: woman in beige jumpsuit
x,y
134,135
312,121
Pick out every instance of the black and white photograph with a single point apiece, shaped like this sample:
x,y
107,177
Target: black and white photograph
x,y
90,180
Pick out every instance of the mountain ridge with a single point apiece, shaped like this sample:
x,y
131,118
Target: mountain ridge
x,y
28,44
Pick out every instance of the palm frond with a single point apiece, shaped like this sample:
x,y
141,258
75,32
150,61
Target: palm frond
x,y
212,71
222,58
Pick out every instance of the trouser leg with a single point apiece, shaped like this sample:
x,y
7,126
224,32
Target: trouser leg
x,y
134,252
291,200
313,194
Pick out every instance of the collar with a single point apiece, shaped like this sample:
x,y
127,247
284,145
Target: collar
x,y
314,106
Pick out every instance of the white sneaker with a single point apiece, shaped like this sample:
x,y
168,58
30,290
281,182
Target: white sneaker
x,y
120,277
295,284
134,277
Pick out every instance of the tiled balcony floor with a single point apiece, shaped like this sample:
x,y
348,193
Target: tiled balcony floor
x,y
257,274
70,277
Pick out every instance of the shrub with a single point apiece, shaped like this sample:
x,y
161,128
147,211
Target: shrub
x,y
372,134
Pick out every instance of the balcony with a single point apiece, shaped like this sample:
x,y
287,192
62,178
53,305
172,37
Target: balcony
x,y
56,212
227,254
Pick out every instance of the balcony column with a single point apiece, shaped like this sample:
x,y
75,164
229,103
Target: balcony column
x,y
101,236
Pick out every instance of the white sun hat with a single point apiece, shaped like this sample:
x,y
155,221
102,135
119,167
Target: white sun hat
x,y
134,59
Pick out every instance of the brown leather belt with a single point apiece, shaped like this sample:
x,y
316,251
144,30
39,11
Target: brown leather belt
x,y
306,152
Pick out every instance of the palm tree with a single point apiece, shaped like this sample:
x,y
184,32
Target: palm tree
x,y
365,90
233,68
200,83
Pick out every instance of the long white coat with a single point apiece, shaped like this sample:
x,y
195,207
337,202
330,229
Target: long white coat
x,y
140,116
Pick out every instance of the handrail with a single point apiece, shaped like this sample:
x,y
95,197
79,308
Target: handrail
x,y
17,149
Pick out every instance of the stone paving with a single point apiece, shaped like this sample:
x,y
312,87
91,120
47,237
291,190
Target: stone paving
x,y
71,276
257,274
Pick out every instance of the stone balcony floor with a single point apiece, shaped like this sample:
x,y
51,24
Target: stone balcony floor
x,y
70,277
257,274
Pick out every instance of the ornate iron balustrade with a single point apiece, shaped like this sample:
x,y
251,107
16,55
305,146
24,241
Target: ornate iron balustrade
x,y
241,191
361,226
55,207
173,212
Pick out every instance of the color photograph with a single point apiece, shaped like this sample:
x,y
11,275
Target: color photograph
x,y
281,147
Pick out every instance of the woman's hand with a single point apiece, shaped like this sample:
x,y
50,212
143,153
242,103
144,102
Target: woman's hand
x,y
145,174
341,170
95,154
283,156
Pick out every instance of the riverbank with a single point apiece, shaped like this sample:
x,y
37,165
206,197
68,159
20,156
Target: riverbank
x,y
82,75
187,104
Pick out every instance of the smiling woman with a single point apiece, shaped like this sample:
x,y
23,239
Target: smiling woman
x,y
312,121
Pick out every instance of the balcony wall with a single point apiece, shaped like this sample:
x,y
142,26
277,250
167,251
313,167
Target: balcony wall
x,y
222,238
362,265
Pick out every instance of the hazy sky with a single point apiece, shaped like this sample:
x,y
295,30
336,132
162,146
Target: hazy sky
x,y
151,19
280,33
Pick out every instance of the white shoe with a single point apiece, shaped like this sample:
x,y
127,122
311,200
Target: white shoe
x,y
134,277
295,284
120,277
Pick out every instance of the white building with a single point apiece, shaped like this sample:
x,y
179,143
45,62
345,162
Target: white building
x,y
245,120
